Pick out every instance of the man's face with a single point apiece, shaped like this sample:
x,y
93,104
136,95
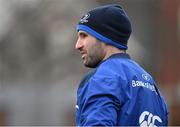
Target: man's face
x,y
91,49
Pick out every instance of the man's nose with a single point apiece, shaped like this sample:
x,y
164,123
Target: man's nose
x,y
78,45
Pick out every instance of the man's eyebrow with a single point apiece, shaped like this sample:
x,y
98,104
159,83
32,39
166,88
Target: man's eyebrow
x,y
82,33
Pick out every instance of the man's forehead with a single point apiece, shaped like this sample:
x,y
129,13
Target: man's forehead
x,y
81,31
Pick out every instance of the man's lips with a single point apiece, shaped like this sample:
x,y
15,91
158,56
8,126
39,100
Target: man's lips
x,y
83,54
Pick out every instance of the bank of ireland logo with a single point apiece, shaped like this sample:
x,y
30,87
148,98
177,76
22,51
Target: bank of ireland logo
x,y
146,77
84,19
147,119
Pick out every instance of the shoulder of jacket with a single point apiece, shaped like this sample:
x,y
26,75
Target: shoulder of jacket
x,y
108,68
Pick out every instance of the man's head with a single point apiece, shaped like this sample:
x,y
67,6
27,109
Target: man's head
x,y
91,49
108,24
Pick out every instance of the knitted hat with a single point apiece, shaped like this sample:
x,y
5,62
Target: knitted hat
x,y
109,24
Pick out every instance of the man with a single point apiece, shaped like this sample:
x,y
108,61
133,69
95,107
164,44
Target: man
x,y
118,91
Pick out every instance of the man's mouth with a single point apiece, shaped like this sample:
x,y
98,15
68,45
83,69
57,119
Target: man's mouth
x,y
83,56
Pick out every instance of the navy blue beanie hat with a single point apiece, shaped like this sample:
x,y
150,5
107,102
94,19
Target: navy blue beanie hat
x,y
109,24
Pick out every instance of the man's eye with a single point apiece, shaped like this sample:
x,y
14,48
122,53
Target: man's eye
x,y
83,35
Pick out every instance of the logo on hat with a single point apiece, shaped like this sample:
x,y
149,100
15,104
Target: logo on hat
x,y
84,19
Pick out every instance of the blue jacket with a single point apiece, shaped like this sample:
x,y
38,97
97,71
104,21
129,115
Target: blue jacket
x,y
120,92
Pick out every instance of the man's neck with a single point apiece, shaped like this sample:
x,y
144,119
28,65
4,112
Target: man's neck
x,y
110,50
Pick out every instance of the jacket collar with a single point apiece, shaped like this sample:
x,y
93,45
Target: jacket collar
x,y
120,55
117,55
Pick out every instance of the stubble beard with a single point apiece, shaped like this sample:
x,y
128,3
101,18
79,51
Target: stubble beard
x,y
94,57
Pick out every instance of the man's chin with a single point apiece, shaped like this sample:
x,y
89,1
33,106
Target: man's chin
x,y
89,65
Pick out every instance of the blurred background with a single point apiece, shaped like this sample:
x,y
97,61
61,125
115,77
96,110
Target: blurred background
x,y
40,70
